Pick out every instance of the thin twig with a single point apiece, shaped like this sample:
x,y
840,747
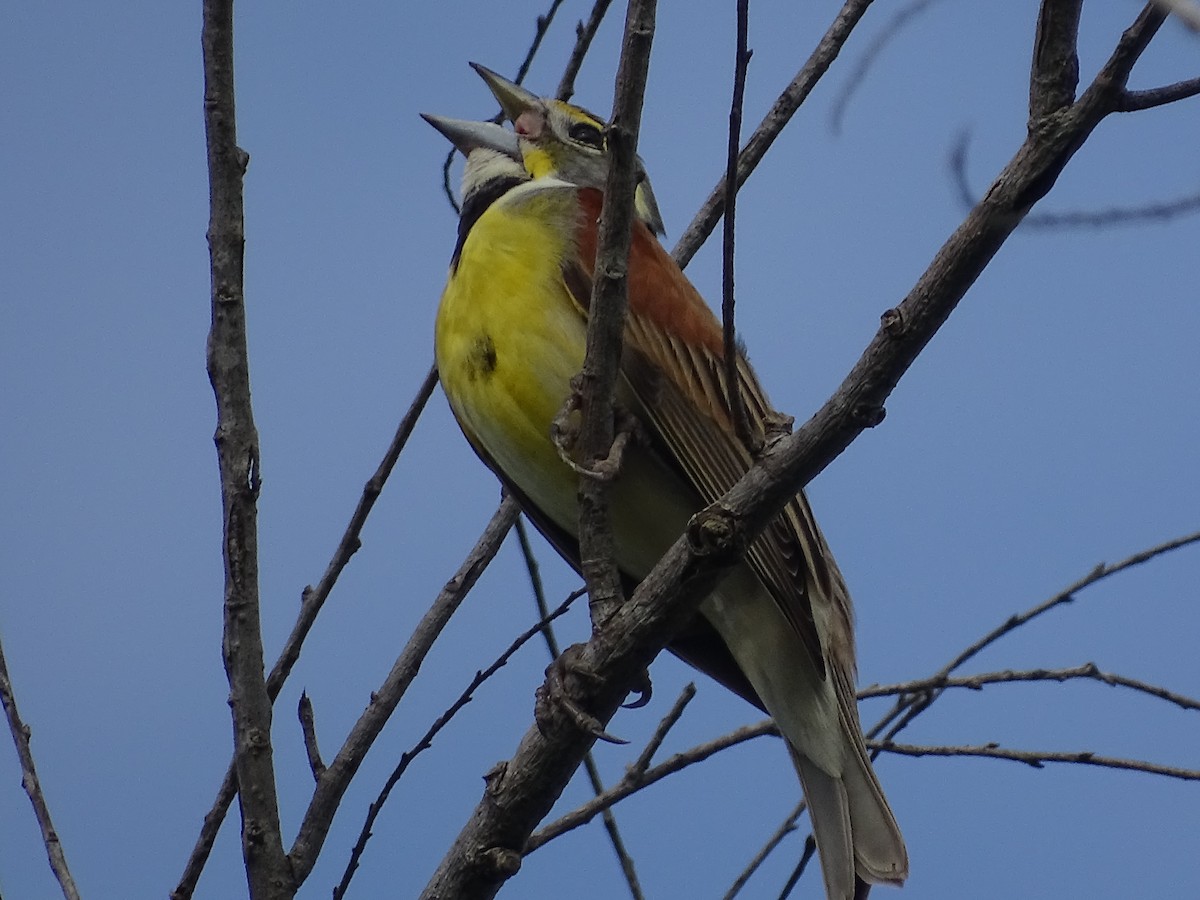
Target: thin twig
x,y
426,740
584,33
311,602
810,847
1088,671
636,781
1149,99
336,778
642,763
777,117
268,872
907,709
33,785
733,394
869,56
1038,758
787,827
1114,216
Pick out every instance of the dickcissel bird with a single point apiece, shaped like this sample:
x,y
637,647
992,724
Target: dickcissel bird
x,y
510,336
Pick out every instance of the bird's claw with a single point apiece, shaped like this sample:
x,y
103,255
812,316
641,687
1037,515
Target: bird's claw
x,y
565,434
554,697
644,690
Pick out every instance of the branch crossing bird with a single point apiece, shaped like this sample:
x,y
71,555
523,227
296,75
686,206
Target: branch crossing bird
x,y
509,339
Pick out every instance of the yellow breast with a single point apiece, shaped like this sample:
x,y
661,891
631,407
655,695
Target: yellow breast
x,y
509,338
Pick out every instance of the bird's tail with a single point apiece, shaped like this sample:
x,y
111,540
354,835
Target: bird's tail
x,y
855,830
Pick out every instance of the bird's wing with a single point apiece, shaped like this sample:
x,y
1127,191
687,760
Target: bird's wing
x,y
674,364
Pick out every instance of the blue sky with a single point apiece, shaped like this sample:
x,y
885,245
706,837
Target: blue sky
x,y
1051,425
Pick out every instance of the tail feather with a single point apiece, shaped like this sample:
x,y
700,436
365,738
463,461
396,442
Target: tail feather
x,y
829,812
857,837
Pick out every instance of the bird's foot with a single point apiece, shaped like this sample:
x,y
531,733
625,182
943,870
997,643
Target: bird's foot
x,y
555,698
644,690
565,435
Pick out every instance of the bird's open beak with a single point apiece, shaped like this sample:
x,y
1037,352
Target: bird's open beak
x,y
513,98
468,136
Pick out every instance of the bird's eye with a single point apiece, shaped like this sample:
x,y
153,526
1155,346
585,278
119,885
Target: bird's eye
x,y
586,133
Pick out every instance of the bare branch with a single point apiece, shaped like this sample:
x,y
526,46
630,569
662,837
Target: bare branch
x,y
311,602
33,785
1087,671
584,33
907,709
733,394
1134,101
426,740
875,48
1103,218
635,781
336,778
268,872
777,117
1038,758
786,827
642,763
810,848
308,728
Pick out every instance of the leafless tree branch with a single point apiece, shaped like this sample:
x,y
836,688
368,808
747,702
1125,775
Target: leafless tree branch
x,y
777,117
1038,758
336,777
268,872
642,763
1101,218
426,740
311,602
787,827
635,780
584,33
902,17
1087,671
1161,96
33,785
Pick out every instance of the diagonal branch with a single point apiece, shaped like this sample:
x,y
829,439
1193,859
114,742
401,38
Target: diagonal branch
x,y
585,32
33,785
426,740
777,117
336,778
1038,758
